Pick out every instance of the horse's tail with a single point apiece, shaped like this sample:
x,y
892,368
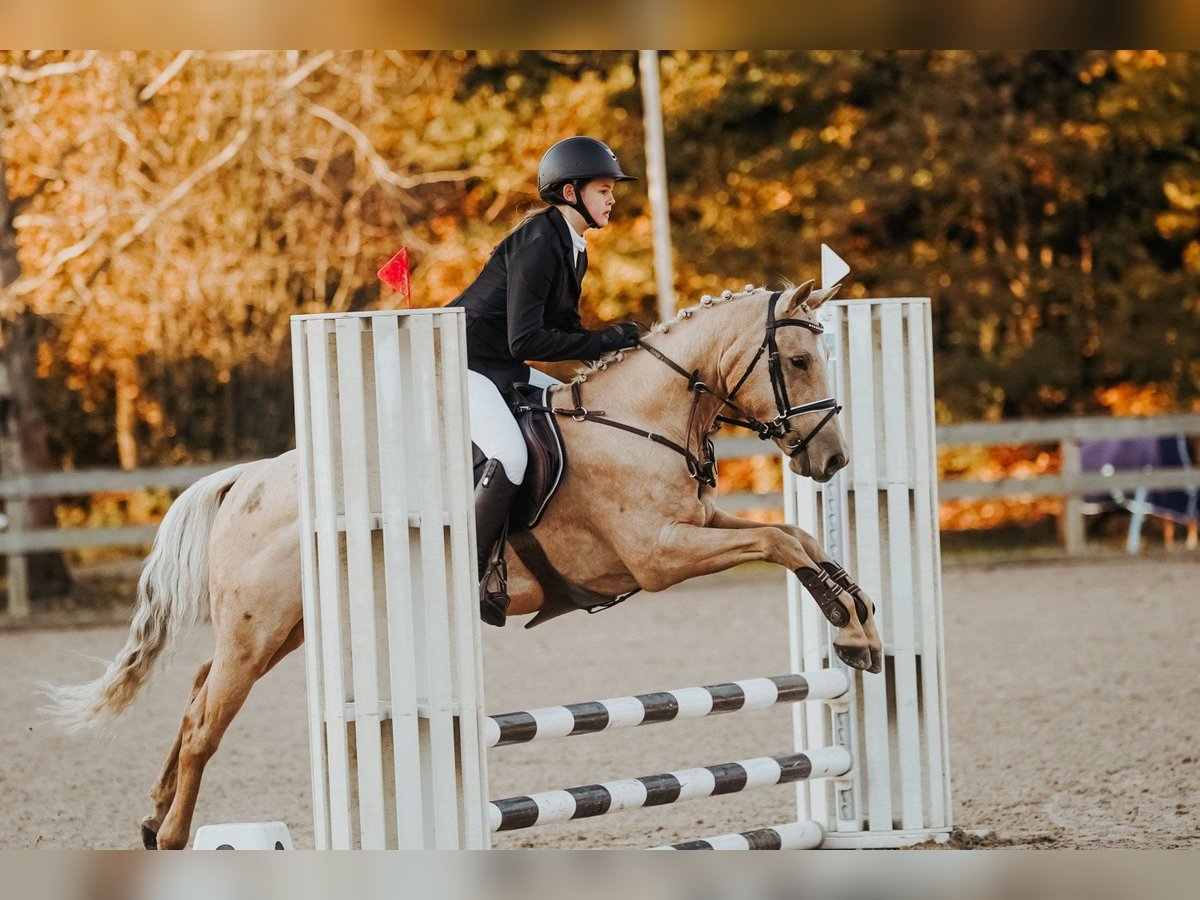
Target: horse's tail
x,y
172,593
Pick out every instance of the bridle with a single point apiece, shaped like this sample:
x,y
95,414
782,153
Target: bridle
x,y
778,427
702,464
781,424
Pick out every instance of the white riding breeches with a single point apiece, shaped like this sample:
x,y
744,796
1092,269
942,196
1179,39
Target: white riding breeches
x,y
493,427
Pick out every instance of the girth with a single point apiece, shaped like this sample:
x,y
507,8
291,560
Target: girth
x,y
559,595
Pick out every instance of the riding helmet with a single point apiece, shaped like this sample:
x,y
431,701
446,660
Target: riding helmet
x,y
576,160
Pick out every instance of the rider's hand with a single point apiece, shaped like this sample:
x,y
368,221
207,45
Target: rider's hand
x,y
619,336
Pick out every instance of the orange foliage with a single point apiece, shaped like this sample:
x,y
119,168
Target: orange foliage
x,y
1136,400
756,474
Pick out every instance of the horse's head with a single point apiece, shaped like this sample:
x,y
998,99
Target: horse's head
x,y
786,388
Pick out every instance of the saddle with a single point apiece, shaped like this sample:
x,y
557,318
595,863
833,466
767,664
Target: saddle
x,y
543,474
547,456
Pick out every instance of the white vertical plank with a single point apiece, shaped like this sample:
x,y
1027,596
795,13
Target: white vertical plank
x,y
364,666
868,543
323,390
835,494
925,502
800,509
896,405
464,604
849,810
308,584
940,646
395,425
798,506
443,781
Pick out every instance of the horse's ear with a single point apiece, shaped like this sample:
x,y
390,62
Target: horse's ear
x,y
820,296
796,299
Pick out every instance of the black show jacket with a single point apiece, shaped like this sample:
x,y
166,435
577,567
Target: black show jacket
x,y
525,304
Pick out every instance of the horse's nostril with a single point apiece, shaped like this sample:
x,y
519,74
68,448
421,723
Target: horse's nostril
x,y
836,462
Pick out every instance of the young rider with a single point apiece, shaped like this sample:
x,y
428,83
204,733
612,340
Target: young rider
x,y
525,305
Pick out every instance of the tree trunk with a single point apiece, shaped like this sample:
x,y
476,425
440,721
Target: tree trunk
x,y
128,388
23,428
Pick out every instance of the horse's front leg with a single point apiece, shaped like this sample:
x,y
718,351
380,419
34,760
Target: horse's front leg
x,y
838,595
840,599
687,551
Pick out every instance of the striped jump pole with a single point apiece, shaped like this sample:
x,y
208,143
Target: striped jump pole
x,y
671,787
789,836
662,706
878,518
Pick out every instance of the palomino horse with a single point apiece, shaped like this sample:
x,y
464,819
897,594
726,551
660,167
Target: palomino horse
x,y
630,514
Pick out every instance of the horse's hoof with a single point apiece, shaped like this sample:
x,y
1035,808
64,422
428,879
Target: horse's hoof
x,y
856,657
876,662
150,833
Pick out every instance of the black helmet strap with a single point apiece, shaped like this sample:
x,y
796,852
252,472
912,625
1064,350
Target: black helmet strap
x,y
578,205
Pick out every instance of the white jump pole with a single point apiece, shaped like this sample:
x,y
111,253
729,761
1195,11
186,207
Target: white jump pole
x,y
878,518
388,555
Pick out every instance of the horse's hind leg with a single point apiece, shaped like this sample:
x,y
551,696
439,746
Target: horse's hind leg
x,y
234,671
207,717
163,792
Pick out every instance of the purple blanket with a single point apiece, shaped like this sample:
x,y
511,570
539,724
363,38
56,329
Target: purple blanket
x,y
1144,454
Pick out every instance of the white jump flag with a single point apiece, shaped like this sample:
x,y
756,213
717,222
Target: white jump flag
x,y
833,267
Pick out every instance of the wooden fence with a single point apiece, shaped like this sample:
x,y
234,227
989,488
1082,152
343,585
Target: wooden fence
x,y
17,541
1072,483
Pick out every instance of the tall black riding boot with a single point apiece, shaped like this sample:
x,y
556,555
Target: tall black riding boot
x,y
493,497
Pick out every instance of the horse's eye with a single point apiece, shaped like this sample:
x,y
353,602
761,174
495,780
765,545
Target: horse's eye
x,y
800,362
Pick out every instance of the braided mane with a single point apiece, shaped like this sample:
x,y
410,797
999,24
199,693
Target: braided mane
x,y
706,302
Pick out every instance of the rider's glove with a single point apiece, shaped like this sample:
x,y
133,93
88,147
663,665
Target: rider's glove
x,y
619,336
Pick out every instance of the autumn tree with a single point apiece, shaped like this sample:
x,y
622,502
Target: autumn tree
x,y
1045,201
177,208
24,431
215,195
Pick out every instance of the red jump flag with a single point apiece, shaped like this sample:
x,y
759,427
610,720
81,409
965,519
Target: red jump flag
x,y
395,274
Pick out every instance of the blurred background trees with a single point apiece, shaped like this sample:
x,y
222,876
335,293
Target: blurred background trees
x,y
163,214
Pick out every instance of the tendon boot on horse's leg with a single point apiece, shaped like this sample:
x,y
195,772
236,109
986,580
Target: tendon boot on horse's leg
x,y
493,498
849,610
828,594
841,577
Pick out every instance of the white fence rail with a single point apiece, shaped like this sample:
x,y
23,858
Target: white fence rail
x,y
17,541
1072,483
